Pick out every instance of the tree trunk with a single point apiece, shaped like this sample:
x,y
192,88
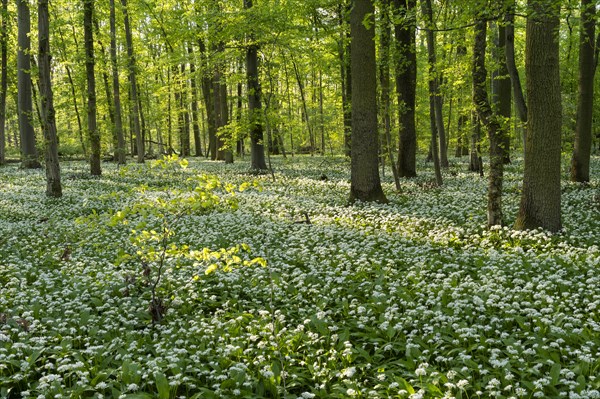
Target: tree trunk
x,y
541,196
345,73
433,91
501,91
207,92
133,100
580,163
25,107
120,153
365,183
406,86
3,79
384,77
93,132
257,149
434,83
511,66
53,185
195,113
494,128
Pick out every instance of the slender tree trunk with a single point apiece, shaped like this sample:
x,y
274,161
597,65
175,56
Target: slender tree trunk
x,y
207,92
541,195
25,107
53,185
475,164
501,92
120,155
365,183
304,106
511,66
134,104
257,149
93,132
195,113
494,128
3,79
580,163
406,85
433,91
384,77
345,74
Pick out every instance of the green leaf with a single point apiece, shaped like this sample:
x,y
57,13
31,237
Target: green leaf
x,y
162,385
555,373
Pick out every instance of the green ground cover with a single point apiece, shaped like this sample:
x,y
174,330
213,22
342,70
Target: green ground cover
x,y
414,298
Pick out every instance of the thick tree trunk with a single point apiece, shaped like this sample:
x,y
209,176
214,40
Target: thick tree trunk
x,y
53,185
120,153
3,79
29,156
580,163
365,183
93,132
133,100
406,86
541,196
490,120
257,148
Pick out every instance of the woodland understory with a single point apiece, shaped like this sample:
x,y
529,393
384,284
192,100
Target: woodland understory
x,y
177,279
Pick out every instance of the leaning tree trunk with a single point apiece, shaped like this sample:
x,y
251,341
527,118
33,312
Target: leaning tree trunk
x,y
406,86
118,125
490,120
3,79
365,184
540,199
133,100
580,163
25,107
53,186
93,132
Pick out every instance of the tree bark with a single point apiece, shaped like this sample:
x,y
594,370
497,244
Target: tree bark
x,y
257,148
93,132
195,113
580,163
520,104
53,184
207,92
120,155
490,120
133,100
384,77
406,86
541,195
365,183
345,73
3,79
501,92
29,155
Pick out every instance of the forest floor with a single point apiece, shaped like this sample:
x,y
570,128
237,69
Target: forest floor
x,y
415,298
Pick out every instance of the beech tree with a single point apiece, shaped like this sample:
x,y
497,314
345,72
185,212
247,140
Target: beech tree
x,y
257,148
580,162
29,155
92,125
365,183
540,199
120,155
3,78
53,184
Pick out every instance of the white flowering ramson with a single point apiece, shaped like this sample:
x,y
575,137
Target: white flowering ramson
x,y
419,279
